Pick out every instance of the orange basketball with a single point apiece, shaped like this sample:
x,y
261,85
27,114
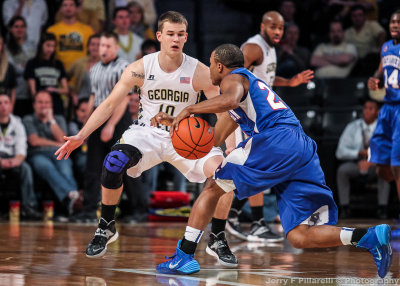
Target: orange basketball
x,y
194,138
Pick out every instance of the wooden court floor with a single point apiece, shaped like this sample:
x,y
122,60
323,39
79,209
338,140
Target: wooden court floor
x,y
53,254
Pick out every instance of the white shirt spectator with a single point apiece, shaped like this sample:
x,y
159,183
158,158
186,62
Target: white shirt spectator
x,y
35,13
13,142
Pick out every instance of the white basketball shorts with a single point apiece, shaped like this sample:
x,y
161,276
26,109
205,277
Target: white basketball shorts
x,y
156,147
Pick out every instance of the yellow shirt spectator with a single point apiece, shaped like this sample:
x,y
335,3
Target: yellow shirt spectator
x,y
71,41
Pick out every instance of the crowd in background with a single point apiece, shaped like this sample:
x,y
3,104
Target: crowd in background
x,y
48,49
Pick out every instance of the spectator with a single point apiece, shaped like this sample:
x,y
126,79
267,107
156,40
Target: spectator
x,y
292,58
44,72
90,12
371,7
147,47
336,58
368,37
12,157
288,10
134,104
129,42
7,74
149,9
137,24
19,51
353,151
34,12
79,71
81,116
46,133
72,35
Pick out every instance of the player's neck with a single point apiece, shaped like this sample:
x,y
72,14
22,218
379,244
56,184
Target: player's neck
x,y
170,63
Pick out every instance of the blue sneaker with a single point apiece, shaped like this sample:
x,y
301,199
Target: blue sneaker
x,y
180,263
377,241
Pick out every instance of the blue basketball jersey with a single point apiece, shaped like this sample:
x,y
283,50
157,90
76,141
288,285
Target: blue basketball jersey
x,y
261,108
391,67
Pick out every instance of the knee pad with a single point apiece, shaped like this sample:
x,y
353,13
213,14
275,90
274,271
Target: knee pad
x,y
121,158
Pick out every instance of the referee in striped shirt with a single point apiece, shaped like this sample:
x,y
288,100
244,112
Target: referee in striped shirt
x,y
103,77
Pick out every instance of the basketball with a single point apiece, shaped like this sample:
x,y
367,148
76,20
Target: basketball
x,y
194,138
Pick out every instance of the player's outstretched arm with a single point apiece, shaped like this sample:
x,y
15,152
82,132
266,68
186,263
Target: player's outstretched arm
x,y
132,75
232,91
302,77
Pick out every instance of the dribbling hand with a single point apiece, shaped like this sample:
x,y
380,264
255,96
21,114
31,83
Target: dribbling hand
x,y
162,118
182,115
72,143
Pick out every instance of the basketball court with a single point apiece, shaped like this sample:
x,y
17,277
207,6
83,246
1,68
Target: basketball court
x,y
53,254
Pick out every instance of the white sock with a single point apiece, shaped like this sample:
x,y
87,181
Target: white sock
x,y
192,234
346,234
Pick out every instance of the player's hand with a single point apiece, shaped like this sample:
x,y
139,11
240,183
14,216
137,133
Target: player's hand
x,y
373,83
174,126
162,118
303,77
72,143
107,133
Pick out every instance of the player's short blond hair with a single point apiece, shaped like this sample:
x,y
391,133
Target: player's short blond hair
x,y
172,17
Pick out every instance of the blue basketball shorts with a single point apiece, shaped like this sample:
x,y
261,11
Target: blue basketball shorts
x,y
286,159
385,142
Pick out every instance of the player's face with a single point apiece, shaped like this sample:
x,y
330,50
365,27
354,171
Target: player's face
x,y
370,112
214,74
272,31
108,49
5,106
394,27
172,37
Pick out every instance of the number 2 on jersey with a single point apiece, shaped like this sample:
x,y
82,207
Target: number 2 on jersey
x,y
271,97
393,79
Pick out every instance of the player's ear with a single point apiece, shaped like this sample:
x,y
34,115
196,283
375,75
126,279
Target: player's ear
x,y
220,67
186,37
158,35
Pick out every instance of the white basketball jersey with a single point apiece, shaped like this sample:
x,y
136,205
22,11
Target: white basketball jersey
x,y
166,92
266,70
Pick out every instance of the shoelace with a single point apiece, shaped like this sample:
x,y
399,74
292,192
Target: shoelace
x,y
171,257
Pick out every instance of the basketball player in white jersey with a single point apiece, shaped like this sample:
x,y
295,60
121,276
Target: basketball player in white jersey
x,y
260,57
169,81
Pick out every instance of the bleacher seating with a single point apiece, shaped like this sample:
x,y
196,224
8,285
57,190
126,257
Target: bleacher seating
x,y
344,91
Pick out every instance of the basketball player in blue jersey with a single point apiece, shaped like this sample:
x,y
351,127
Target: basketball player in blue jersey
x,y
277,154
385,143
260,57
